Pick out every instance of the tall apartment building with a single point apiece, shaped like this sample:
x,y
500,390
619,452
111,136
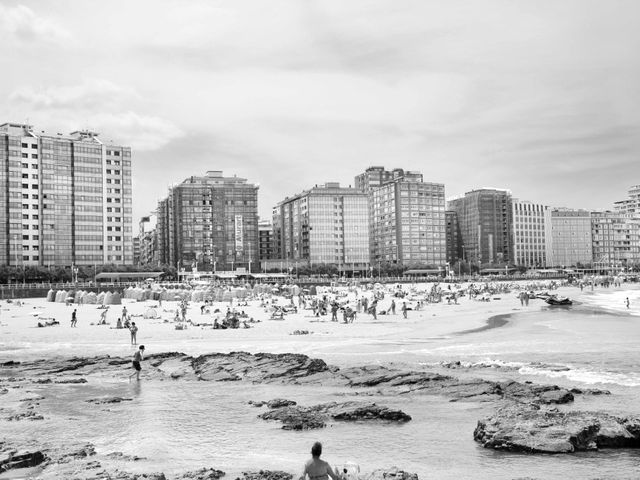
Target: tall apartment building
x,y
266,240
64,199
485,219
531,223
326,224
616,238
209,222
631,204
569,239
406,218
453,240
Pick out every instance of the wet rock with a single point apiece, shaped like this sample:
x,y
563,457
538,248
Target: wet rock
x,y
3,391
265,475
203,474
393,473
280,402
122,456
85,451
20,459
29,415
296,418
108,400
257,403
523,429
589,391
72,380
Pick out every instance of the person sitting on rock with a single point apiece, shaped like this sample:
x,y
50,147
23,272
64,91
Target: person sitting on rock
x,y
317,469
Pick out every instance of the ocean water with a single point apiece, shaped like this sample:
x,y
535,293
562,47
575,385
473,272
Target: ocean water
x,y
183,425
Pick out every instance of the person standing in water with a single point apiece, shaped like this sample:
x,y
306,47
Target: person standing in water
x,y
316,469
134,331
137,358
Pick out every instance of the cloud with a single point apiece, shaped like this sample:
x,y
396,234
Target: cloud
x,y
141,132
23,24
99,105
91,94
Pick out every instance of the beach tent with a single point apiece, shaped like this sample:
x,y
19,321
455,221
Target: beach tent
x,y
313,290
91,298
113,299
51,296
100,298
61,296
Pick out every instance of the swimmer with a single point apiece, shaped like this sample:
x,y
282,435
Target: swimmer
x,y
317,469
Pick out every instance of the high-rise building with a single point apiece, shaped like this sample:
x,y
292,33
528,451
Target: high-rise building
x,y
327,224
485,219
569,241
65,199
531,221
266,240
407,219
209,223
616,238
454,245
147,240
631,204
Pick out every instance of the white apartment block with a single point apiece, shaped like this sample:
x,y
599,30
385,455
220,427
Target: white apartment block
x,y
531,226
67,199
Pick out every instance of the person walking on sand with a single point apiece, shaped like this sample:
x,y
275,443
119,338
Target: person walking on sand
x,y
74,318
317,469
134,331
137,358
393,306
627,302
404,309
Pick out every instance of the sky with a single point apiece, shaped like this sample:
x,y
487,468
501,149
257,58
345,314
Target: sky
x,y
541,97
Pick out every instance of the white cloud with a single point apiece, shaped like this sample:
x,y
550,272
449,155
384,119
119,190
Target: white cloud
x,y
141,132
92,93
22,23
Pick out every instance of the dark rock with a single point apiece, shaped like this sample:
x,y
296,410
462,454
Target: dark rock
x,y
257,403
122,456
30,415
72,380
108,400
203,474
87,450
21,459
280,402
265,475
522,429
393,473
295,418
10,363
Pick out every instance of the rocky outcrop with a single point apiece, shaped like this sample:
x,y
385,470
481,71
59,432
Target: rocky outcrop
x,y
393,473
12,459
265,475
203,474
280,402
520,428
108,400
294,417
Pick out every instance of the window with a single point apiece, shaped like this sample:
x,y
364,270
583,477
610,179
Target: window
x,y
24,205
25,216
108,171
34,187
25,165
25,175
25,237
34,196
34,165
34,176
25,258
35,237
25,196
25,155
34,155
25,145
36,257
34,216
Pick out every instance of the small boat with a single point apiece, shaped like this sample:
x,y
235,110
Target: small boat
x,y
554,300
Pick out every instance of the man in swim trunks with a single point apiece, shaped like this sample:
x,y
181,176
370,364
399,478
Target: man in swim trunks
x,y
317,469
137,358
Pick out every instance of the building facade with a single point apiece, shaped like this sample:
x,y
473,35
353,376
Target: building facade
x,y
485,219
266,240
209,223
631,204
616,239
453,241
65,199
531,221
407,221
569,242
327,224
